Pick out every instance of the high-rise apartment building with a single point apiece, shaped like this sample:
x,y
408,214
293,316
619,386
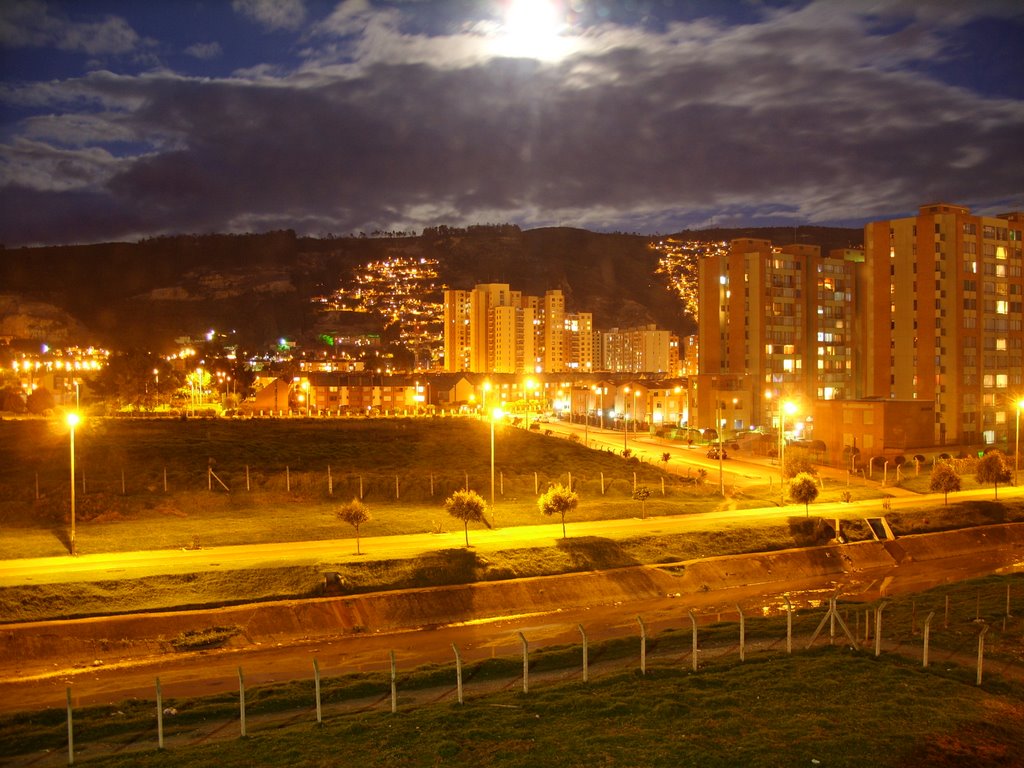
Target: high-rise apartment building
x,y
644,349
492,329
940,319
774,324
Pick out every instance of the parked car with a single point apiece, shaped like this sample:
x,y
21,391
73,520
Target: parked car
x,y
713,453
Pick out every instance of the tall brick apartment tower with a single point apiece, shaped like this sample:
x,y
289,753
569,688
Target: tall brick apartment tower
x,y
940,319
775,324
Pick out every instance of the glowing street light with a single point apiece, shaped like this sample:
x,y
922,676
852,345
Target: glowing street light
x,y
72,422
784,408
486,388
625,423
1016,450
496,414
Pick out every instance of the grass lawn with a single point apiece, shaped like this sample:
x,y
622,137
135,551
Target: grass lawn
x,y
287,479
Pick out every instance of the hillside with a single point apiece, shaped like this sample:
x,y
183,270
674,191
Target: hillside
x,y
147,293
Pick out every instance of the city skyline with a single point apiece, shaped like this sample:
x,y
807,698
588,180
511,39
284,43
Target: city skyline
x,y
122,122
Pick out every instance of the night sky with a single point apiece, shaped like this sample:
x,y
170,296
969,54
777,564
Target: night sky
x,y
125,119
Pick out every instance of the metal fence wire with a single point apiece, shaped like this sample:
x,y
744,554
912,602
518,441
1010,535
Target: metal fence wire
x,y
974,630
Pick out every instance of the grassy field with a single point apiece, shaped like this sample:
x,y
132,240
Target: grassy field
x,y
834,705
287,478
290,499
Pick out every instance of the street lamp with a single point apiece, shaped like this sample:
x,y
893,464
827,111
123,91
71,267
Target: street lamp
x,y
1016,449
530,385
721,448
495,415
486,388
635,393
784,408
625,423
72,421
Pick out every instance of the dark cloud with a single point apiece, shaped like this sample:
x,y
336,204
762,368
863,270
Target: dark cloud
x,y
637,133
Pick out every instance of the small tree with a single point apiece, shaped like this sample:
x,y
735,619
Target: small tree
x,y
467,506
642,494
798,463
803,489
944,479
665,458
558,500
993,468
355,513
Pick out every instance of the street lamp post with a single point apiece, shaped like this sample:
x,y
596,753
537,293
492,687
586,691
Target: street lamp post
x,y
721,448
635,393
1016,449
784,408
495,415
625,423
72,420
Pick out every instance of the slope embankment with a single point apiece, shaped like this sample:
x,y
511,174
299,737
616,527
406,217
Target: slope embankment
x,y
145,635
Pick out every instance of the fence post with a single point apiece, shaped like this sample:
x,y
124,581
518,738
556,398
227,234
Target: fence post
x,y
360,487
878,628
458,672
123,492
743,633
330,482
585,660
789,624
316,687
288,478
693,620
602,483
643,646
394,685
535,485
71,732
663,486
247,488
396,488
981,651
526,663
927,635
570,481
241,699
431,483
165,479
159,715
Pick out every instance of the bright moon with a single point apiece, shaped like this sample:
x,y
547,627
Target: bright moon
x,y
532,29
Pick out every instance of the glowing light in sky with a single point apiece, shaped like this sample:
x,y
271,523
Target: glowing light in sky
x,y
532,29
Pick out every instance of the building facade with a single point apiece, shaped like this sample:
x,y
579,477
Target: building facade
x,y
493,329
941,319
